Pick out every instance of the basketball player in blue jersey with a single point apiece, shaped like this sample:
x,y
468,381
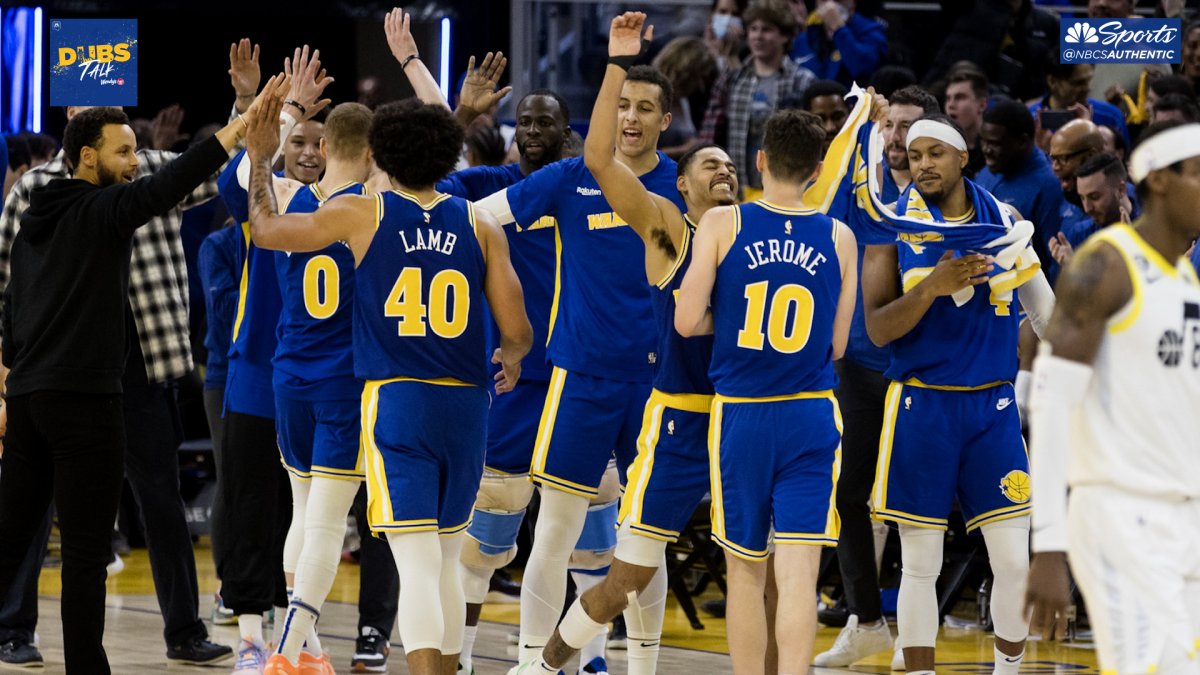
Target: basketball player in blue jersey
x,y
780,281
952,367
419,345
316,393
670,475
254,508
504,493
601,341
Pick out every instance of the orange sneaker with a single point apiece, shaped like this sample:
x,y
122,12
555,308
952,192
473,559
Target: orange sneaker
x,y
311,665
279,665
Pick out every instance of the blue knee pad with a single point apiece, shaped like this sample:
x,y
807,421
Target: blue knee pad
x,y
599,528
496,532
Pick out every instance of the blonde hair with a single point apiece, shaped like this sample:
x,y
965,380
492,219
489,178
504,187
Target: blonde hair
x,y
347,130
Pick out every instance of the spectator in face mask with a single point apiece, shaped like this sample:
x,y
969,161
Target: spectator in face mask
x,y
724,32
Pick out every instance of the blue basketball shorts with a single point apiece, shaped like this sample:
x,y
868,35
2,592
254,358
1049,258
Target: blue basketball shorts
x,y
939,444
774,462
319,438
424,445
670,477
585,421
513,426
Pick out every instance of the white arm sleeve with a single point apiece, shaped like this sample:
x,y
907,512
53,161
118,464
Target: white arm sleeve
x,y
1059,386
1037,299
286,124
497,203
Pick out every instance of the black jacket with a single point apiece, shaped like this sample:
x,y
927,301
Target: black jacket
x,y
65,306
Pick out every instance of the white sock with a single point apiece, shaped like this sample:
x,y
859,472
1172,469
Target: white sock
x,y
643,624
280,620
328,501
596,646
312,644
250,626
1005,664
293,627
464,657
920,672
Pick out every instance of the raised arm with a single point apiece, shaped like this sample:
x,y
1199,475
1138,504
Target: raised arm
x,y
891,311
1092,288
479,89
652,217
404,48
348,218
505,300
693,311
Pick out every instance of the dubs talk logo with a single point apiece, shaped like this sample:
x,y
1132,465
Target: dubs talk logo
x,y
1081,32
93,62
1120,41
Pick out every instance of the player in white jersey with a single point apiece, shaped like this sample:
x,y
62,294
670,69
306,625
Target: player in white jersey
x,y
1117,390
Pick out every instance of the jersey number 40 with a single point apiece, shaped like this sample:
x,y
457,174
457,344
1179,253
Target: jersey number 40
x,y
446,315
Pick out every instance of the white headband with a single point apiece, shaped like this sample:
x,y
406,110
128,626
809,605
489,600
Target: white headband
x,y
939,131
1163,150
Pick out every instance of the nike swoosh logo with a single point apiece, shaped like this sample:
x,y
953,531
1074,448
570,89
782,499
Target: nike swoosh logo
x,y
1012,659
1003,403
649,644
532,647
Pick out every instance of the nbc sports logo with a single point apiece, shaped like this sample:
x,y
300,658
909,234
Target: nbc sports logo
x,y
1081,32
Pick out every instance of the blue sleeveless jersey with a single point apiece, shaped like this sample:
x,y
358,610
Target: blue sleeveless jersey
x,y
601,322
248,384
531,248
314,359
774,301
952,346
682,362
418,294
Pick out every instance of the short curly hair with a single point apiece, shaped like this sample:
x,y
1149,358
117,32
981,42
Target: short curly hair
x,y
87,129
417,144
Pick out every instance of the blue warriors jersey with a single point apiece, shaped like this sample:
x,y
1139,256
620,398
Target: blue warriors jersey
x,y
682,362
774,302
601,322
952,346
248,386
531,248
314,359
418,293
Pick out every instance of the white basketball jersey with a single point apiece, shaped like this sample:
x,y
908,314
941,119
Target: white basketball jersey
x,y
1139,426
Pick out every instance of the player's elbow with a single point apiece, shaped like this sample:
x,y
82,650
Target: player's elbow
x,y
595,160
685,325
876,332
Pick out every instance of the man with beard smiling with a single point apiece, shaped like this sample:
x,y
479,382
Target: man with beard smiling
x,y
542,128
907,105
601,344
66,343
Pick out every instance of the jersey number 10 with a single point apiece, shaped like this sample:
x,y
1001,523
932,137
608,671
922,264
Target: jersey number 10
x,y
786,337
447,318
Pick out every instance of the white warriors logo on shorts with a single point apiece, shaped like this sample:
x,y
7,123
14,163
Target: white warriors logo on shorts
x,y
1015,486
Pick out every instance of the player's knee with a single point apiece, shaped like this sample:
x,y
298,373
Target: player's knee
x,y
921,553
598,540
491,541
503,493
610,487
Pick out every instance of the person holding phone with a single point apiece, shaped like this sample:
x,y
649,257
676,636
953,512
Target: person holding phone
x,y
1067,99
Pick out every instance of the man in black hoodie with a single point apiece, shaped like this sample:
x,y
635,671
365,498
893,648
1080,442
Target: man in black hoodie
x,y
65,341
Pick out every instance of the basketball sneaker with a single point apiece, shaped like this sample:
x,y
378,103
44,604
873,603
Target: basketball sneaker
x,y
252,657
898,661
370,652
855,643
310,664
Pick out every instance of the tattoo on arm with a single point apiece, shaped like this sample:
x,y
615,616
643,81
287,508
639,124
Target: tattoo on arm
x,y
262,192
1077,289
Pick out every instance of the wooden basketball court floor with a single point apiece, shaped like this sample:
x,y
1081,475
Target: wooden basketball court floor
x,y
133,634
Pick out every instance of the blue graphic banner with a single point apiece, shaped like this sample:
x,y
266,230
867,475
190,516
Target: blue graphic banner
x,y
1120,41
93,62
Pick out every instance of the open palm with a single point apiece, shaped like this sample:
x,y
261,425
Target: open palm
x,y
625,34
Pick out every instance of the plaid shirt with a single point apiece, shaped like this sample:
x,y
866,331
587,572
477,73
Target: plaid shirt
x,y
158,286
727,120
